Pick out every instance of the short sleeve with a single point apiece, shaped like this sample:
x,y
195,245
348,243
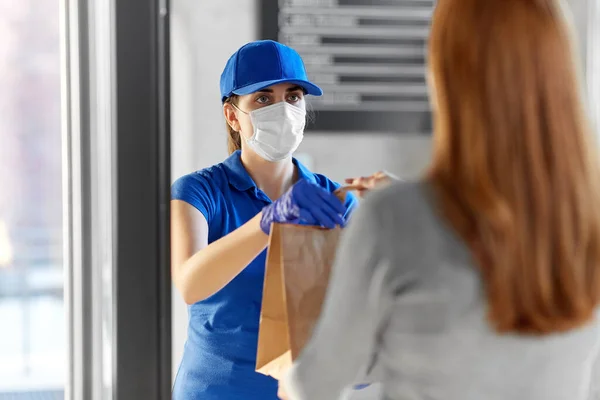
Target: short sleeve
x,y
196,190
345,343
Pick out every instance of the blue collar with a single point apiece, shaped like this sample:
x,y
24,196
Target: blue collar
x,y
241,180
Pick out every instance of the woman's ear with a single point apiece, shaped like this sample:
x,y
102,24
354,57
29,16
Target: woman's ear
x,y
231,117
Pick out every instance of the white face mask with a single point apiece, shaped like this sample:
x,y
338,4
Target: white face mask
x,y
278,130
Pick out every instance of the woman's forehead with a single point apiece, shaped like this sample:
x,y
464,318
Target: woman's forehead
x,y
281,87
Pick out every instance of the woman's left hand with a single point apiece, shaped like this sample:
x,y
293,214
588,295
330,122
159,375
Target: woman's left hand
x,y
365,183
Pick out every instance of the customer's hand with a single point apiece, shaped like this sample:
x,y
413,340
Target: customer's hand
x,y
363,184
304,202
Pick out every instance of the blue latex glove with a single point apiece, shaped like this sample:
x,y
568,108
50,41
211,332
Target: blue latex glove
x,y
304,202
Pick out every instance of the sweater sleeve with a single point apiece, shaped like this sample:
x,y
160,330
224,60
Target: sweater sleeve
x,y
357,305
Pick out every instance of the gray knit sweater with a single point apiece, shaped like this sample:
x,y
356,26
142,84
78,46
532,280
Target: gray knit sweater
x,y
406,305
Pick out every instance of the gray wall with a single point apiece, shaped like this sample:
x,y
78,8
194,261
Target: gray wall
x,y
204,35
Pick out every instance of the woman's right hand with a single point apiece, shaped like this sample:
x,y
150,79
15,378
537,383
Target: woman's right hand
x,y
304,202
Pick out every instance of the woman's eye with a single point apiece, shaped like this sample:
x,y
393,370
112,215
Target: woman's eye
x,y
293,98
262,100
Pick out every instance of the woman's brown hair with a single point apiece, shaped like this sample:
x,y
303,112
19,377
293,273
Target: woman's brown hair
x,y
514,170
234,140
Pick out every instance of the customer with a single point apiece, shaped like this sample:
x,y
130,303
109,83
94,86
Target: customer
x,y
482,281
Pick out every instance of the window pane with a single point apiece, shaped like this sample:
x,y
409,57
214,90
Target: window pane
x,y
33,351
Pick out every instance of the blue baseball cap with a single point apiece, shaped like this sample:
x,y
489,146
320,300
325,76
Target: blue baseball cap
x,y
258,65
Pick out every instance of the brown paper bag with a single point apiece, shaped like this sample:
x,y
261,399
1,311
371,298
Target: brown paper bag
x,y
299,261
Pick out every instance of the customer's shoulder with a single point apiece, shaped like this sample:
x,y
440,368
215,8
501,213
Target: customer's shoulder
x,y
403,209
405,197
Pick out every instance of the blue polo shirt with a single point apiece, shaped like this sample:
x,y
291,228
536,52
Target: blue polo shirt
x,y
220,353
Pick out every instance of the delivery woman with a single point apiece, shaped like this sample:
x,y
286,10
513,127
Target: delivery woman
x,y
221,217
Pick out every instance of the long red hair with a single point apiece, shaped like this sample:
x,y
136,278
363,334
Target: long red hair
x,y
514,167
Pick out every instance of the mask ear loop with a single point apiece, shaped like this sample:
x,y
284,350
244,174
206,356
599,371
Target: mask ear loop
x,y
237,108
244,112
